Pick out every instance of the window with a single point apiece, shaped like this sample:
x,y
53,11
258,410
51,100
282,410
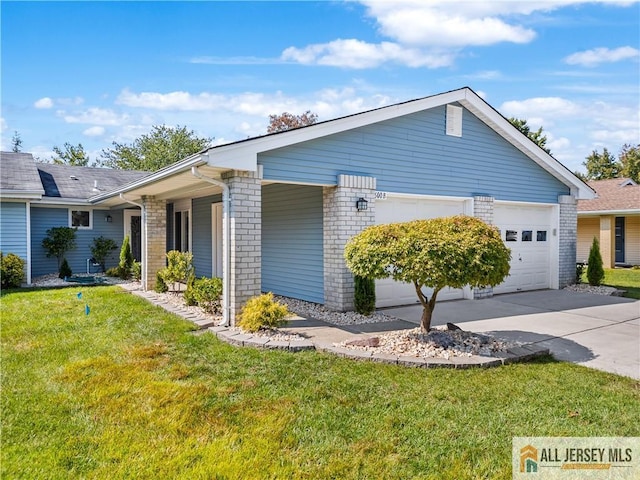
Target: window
x,y
511,236
527,236
81,219
541,235
181,231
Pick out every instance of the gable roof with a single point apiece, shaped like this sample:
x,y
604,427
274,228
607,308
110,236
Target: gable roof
x,y
243,155
19,176
617,195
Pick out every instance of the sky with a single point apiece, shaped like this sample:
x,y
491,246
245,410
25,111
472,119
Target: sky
x,y
101,72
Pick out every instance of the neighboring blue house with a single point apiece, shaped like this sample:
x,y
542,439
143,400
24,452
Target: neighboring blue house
x,y
273,213
37,196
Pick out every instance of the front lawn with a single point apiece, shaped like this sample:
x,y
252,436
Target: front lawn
x,y
129,391
627,279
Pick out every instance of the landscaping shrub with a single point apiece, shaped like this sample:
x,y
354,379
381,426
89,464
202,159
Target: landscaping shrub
x,y
365,295
11,270
595,272
126,259
59,240
136,271
160,287
579,272
189,297
207,293
101,249
262,312
113,272
178,269
65,269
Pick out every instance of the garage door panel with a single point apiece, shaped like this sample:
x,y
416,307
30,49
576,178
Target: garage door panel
x,y
531,250
402,209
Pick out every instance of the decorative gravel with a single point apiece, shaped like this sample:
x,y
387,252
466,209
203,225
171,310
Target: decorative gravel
x,y
319,312
586,288
52,280
438,343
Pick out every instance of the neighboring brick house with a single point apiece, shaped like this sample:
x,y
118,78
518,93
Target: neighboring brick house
x,y
273,213
613,217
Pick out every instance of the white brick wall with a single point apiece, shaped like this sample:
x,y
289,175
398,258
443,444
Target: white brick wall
x,y
245,272
341,221
483,209
567,237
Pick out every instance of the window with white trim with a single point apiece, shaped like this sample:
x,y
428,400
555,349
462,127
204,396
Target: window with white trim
x,y
81,219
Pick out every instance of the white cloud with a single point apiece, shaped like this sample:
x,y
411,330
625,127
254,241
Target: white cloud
x,y
3,124
352,53
95,131
450,24
543,109
43,103
95,116
327,103
596,56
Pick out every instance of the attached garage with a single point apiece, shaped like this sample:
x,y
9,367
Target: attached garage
x,y
530,231
392,208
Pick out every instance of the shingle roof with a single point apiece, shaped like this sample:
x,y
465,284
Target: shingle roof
x,y
18,174
65,181
618,194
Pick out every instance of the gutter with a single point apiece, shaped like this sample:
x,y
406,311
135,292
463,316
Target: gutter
x,y
226,250
143,222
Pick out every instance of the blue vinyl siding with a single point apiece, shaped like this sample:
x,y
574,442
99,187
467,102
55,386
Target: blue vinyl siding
x,y
292,260
201,234
412,155
43,219
13,228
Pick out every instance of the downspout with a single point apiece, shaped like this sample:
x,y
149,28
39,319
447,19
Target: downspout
x,y
28,212
143,221
226,251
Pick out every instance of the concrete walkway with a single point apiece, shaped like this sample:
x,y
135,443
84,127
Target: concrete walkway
x,y
597,331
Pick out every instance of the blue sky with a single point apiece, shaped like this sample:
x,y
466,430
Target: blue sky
x,y
99,72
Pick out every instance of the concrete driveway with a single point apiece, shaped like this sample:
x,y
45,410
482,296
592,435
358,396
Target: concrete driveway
x,y
593,330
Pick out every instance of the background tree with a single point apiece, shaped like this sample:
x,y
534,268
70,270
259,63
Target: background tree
x,y
537,137
150,152
436,253
16,142
601,166
287,121
630,162
71,155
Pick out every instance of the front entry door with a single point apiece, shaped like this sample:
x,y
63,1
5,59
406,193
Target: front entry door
x,y
619,239
133,228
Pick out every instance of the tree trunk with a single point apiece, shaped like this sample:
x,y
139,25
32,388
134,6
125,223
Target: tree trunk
x,y
425,321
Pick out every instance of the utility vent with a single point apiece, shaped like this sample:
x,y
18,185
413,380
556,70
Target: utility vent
x,y
454,121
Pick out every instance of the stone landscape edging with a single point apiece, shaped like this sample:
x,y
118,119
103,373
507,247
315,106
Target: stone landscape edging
x,y
522,353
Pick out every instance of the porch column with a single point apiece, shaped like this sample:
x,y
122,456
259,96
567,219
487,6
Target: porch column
x,y
341,221
567,237
154,239
608,241
483,208
245,238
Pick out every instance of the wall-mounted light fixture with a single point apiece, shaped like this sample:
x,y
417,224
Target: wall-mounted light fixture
x,y
108,218
361,204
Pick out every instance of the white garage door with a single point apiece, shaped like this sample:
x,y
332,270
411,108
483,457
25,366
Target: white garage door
x,y
527,231
404,209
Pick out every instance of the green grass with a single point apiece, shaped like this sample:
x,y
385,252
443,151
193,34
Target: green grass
x,y
129,391
627,279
